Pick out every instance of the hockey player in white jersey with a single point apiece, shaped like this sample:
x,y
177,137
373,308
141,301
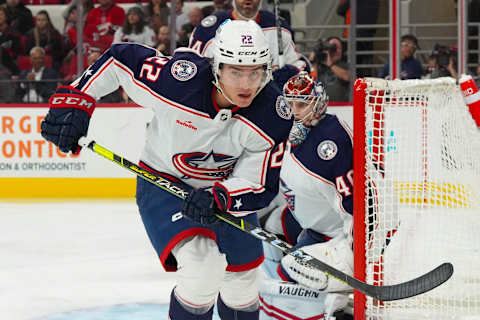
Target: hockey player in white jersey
x,y
291,63
219,128
314,209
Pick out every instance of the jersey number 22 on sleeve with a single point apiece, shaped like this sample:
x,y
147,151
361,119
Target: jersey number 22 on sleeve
x,y
277,156
151,68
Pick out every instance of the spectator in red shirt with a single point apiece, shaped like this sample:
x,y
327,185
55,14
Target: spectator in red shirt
x,y
69,68
70,14
102,22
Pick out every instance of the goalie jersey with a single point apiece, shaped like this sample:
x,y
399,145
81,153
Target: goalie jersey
x,y
202,37
317,179
190,137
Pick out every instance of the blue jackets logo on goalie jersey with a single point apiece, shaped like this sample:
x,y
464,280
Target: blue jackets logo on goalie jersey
x,y
288,195
283,108
183,70
327,150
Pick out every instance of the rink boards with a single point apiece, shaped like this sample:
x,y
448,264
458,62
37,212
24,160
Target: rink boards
x,y
31,167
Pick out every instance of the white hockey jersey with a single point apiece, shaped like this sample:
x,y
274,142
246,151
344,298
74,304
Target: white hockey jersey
x,y
317,178
189,136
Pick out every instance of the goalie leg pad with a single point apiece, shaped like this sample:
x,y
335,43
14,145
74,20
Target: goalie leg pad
x,y
336,253
283,300
273,256
333,303
201,269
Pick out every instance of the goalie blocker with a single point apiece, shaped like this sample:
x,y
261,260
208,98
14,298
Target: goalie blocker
x,y
68,118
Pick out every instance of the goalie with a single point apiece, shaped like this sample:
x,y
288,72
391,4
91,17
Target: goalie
x,y
313,210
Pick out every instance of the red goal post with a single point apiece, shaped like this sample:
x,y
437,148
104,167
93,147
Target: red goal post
x,y
417,196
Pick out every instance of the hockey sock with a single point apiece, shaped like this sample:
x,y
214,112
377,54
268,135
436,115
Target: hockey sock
x,y
227,313
179,311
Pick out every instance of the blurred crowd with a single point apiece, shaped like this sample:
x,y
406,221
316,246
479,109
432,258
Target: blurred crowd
x,y
38,57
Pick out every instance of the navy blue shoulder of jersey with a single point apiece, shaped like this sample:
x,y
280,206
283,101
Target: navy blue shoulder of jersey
x,y
330,134
187,79
267,20
128,54
270,112
207,29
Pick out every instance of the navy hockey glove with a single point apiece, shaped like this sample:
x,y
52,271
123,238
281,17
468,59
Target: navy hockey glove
x,y
281,75
68,118
200,205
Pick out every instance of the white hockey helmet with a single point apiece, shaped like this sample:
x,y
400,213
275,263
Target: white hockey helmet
x,y
242,43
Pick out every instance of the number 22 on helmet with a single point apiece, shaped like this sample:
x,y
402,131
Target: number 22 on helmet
x,y
241,61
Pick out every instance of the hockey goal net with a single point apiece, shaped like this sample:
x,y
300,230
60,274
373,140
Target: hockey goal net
x,y
417,196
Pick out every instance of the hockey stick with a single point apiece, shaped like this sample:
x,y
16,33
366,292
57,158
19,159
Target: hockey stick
x,y
403,290
278,23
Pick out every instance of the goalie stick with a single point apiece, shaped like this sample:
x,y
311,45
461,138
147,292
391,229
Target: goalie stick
x,y
403,290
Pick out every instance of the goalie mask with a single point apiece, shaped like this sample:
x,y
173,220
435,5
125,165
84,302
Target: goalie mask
x,y
309,100
243,44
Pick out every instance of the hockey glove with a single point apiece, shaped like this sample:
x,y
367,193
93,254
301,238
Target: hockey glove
x,y
201,204
336,253
68,118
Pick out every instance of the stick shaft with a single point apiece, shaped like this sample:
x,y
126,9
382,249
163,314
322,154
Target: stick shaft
x,y
403,290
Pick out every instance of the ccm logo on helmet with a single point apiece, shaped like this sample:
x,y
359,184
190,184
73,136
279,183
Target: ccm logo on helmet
x,y
72,100
247,53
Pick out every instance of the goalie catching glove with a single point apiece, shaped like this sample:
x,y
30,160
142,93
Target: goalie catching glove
x,y
336,253
202,204
68,118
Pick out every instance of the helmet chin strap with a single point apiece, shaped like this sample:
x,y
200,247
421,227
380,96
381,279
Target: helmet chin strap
x,y
216,83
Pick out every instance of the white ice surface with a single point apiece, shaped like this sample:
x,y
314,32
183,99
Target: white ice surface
x,y
63,256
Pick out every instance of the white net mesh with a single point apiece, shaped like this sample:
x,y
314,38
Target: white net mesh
x,y
423,196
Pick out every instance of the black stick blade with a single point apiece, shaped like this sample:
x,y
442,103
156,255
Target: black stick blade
x,y
410,288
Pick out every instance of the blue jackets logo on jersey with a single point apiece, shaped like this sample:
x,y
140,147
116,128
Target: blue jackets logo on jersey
x,y
204,166
283,108
288,195
327,150
209,21
183,70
